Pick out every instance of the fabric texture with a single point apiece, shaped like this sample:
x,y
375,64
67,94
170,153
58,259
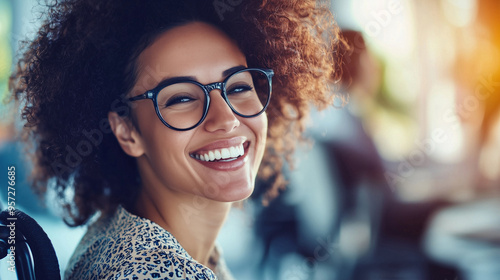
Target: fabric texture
x,y
126,246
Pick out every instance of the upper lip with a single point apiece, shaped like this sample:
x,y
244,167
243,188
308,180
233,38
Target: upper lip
x,y
220,144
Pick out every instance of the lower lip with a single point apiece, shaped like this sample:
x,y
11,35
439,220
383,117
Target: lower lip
x,y
227,165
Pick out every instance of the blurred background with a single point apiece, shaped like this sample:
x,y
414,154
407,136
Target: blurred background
x,y
400,183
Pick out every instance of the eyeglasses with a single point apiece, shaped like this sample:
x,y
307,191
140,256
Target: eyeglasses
x,y
183,104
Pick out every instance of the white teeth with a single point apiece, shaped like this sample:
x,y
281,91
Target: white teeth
x,y
224,153
217,154
233,152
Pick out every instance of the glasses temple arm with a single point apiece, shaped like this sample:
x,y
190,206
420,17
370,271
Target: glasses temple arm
x,y
146,95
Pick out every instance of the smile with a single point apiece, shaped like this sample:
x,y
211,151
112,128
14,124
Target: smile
x,y
223,154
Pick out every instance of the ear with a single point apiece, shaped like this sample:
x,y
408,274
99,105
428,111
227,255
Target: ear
x,y
126,134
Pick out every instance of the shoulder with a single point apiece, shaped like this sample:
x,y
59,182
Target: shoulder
x,y
158,265
125,246
151,264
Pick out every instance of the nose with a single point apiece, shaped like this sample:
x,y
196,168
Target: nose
x,y
220,117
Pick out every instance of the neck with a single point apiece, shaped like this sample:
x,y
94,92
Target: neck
x,y
193,220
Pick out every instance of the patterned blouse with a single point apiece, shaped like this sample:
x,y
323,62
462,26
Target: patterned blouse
x,y
126,246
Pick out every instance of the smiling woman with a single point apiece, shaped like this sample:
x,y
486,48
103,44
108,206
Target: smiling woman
x,y
159,115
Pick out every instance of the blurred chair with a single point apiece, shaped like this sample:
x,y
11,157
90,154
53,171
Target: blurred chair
x,y
31,243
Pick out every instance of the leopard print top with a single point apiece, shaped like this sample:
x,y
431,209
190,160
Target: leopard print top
x,y
125,246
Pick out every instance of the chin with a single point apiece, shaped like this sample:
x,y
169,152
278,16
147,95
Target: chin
x,y
236,191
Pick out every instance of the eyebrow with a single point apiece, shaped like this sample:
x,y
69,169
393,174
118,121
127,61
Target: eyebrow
x,y
231,70
225,73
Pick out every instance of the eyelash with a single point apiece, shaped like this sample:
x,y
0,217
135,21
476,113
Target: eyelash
x,y
177,100
245,88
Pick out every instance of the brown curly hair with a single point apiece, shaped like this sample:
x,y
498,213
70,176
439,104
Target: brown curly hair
x,y
82,64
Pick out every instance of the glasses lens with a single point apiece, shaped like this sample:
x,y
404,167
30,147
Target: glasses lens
x,y
248,92
181,105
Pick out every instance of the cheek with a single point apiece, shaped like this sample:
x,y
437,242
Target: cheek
x,y
165,154
158,140
259,126
263,128
144,114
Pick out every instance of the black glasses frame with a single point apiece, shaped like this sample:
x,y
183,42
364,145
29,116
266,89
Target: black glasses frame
x,y
153,94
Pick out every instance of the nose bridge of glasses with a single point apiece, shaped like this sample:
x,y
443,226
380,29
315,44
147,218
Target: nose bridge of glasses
x,y
213,86
217,85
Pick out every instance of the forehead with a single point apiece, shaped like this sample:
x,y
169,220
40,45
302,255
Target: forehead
x,y
188,50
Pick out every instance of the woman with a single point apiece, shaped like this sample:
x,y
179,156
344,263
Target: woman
x,y
160,175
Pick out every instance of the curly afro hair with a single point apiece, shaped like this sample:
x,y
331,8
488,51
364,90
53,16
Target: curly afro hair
x,y
82,63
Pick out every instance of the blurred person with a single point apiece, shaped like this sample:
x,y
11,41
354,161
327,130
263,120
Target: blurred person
x,y
155,179
379,235
345,134
338,217
328,215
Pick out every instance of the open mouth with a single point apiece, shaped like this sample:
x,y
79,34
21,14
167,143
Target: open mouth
x,y
223,154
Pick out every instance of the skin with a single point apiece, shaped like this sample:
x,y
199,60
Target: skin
x,y
186,197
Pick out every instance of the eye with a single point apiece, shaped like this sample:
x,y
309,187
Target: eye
x,y
180,99
180,96
235,89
